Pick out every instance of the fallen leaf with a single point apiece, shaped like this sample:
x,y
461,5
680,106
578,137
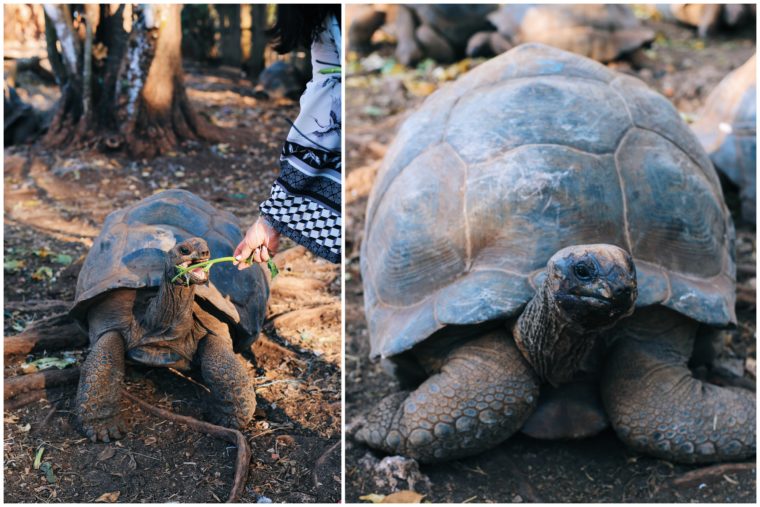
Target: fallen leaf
x,y
285,440
45,363
406,496
373,497
42,252
47,468
109,497
38,458
25,428
13,265
106,453
63,259
10,418
150,440
42,273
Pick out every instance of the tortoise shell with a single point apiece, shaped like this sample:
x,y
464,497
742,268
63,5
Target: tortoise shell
x,y
601,32
456,23
727,130
130,250
530,152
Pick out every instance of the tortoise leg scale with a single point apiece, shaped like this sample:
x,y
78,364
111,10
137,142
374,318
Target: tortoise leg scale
x,y
482,394
231,387
655,404
99,393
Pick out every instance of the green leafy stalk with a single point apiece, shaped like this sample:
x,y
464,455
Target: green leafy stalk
x,y
38,458
206,266
272,268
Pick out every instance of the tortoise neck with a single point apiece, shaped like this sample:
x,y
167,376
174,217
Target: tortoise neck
x,y
552,344
170,312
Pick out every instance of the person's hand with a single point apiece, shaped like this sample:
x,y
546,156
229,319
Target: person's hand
x,y
261,241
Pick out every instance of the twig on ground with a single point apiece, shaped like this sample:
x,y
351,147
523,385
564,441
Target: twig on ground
x,y
711,473
233,436
49,415
320,461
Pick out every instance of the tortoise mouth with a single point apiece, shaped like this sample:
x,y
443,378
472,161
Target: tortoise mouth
x,y
197,275
595,301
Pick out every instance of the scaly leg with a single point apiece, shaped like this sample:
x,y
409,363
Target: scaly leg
x,y
99,393
655,404
231,387
483,393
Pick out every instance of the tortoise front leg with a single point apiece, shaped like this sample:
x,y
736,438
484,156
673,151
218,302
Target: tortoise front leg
x,y
99,392
658,407
482,395
231,387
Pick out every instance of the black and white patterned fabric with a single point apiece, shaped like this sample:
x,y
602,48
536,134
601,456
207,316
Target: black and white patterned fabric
x,y
305,202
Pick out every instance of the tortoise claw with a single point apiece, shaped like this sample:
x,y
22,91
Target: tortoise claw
x,y
103,430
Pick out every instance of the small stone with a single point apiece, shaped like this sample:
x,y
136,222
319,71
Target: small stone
x,y
517,499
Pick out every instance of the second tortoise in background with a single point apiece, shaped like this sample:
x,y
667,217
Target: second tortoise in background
x,y
449,32
519,218
727,130
708,18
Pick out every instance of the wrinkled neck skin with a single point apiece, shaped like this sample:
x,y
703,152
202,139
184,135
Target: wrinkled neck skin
x,y
170,313
552,343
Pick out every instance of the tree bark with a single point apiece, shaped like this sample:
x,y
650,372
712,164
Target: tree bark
x,y
21,384
230,34
52,333
131,99
255,63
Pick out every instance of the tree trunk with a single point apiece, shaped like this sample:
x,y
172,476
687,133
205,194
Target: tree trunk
x,y
126,90
230,34
255,63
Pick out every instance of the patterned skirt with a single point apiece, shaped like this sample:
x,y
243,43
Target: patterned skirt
x,y
305,202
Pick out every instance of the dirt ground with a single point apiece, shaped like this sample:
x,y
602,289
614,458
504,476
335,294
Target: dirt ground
x,y
55,204
598,469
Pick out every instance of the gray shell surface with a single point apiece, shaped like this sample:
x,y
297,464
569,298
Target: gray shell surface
x,y
727,130
601,32
129,253
530,152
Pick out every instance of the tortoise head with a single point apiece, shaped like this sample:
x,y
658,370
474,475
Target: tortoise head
x,y
588,289
191,251
592,286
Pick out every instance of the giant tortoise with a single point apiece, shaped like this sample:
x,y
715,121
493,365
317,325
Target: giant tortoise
x,y
540,222
727,130
437,31
601,32
127,301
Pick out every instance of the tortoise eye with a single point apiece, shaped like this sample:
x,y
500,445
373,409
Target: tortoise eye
x,y
584,271
184,250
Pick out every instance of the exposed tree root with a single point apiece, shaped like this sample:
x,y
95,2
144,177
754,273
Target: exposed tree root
x,y
711,473
51,333
25,399
37,305
15,386
233,436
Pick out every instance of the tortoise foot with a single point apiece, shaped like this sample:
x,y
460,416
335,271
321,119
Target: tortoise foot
x,y
229,415
483,394
232,390
103,430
